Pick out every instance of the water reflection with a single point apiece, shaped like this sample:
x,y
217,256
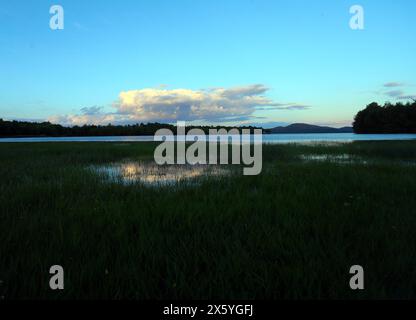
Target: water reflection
x,y
337,158
151,174
353,159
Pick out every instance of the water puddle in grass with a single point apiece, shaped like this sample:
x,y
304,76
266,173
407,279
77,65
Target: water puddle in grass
x,y
336,158
353,159
151,174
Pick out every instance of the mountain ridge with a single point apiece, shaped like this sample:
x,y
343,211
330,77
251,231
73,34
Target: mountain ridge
x,y
309,128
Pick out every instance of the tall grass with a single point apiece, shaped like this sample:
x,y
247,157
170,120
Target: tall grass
x,y
292,232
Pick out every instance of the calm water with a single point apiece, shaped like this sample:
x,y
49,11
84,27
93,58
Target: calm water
x,y
151,174
267,138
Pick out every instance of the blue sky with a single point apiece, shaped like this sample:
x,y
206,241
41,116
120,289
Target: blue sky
x,y
217,61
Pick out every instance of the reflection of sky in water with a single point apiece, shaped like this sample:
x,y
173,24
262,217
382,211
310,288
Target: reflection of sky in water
x,y
352,159
128,172
337,158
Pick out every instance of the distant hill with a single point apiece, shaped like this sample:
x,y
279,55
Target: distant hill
x,y
309,128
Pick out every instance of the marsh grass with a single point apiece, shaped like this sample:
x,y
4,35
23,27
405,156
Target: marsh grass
x,y
290,233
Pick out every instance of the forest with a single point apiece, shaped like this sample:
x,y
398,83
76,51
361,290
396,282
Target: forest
x,y
47,129
389,118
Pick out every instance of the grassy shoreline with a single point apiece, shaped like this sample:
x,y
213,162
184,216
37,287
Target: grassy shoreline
x,y
290,233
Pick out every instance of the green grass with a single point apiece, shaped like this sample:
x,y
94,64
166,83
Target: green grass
x,y
290,233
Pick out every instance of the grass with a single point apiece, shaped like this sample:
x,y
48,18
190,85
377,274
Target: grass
x,y
292,232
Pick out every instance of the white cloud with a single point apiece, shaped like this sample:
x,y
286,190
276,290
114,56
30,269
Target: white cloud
x,y
393,84
164,105
81,119
395,93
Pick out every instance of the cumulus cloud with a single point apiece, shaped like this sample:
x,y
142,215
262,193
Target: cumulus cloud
x,y
164,105
155,104
81,119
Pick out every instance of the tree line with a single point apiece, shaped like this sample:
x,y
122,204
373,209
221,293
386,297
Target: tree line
x,y
389,118
47,129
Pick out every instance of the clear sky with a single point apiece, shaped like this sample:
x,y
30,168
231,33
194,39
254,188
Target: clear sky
x,y
208,61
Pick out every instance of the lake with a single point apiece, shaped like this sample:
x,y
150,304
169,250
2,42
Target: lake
x,y
267,138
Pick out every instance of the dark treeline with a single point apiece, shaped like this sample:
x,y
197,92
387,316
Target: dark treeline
x,y
390,118
47,129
